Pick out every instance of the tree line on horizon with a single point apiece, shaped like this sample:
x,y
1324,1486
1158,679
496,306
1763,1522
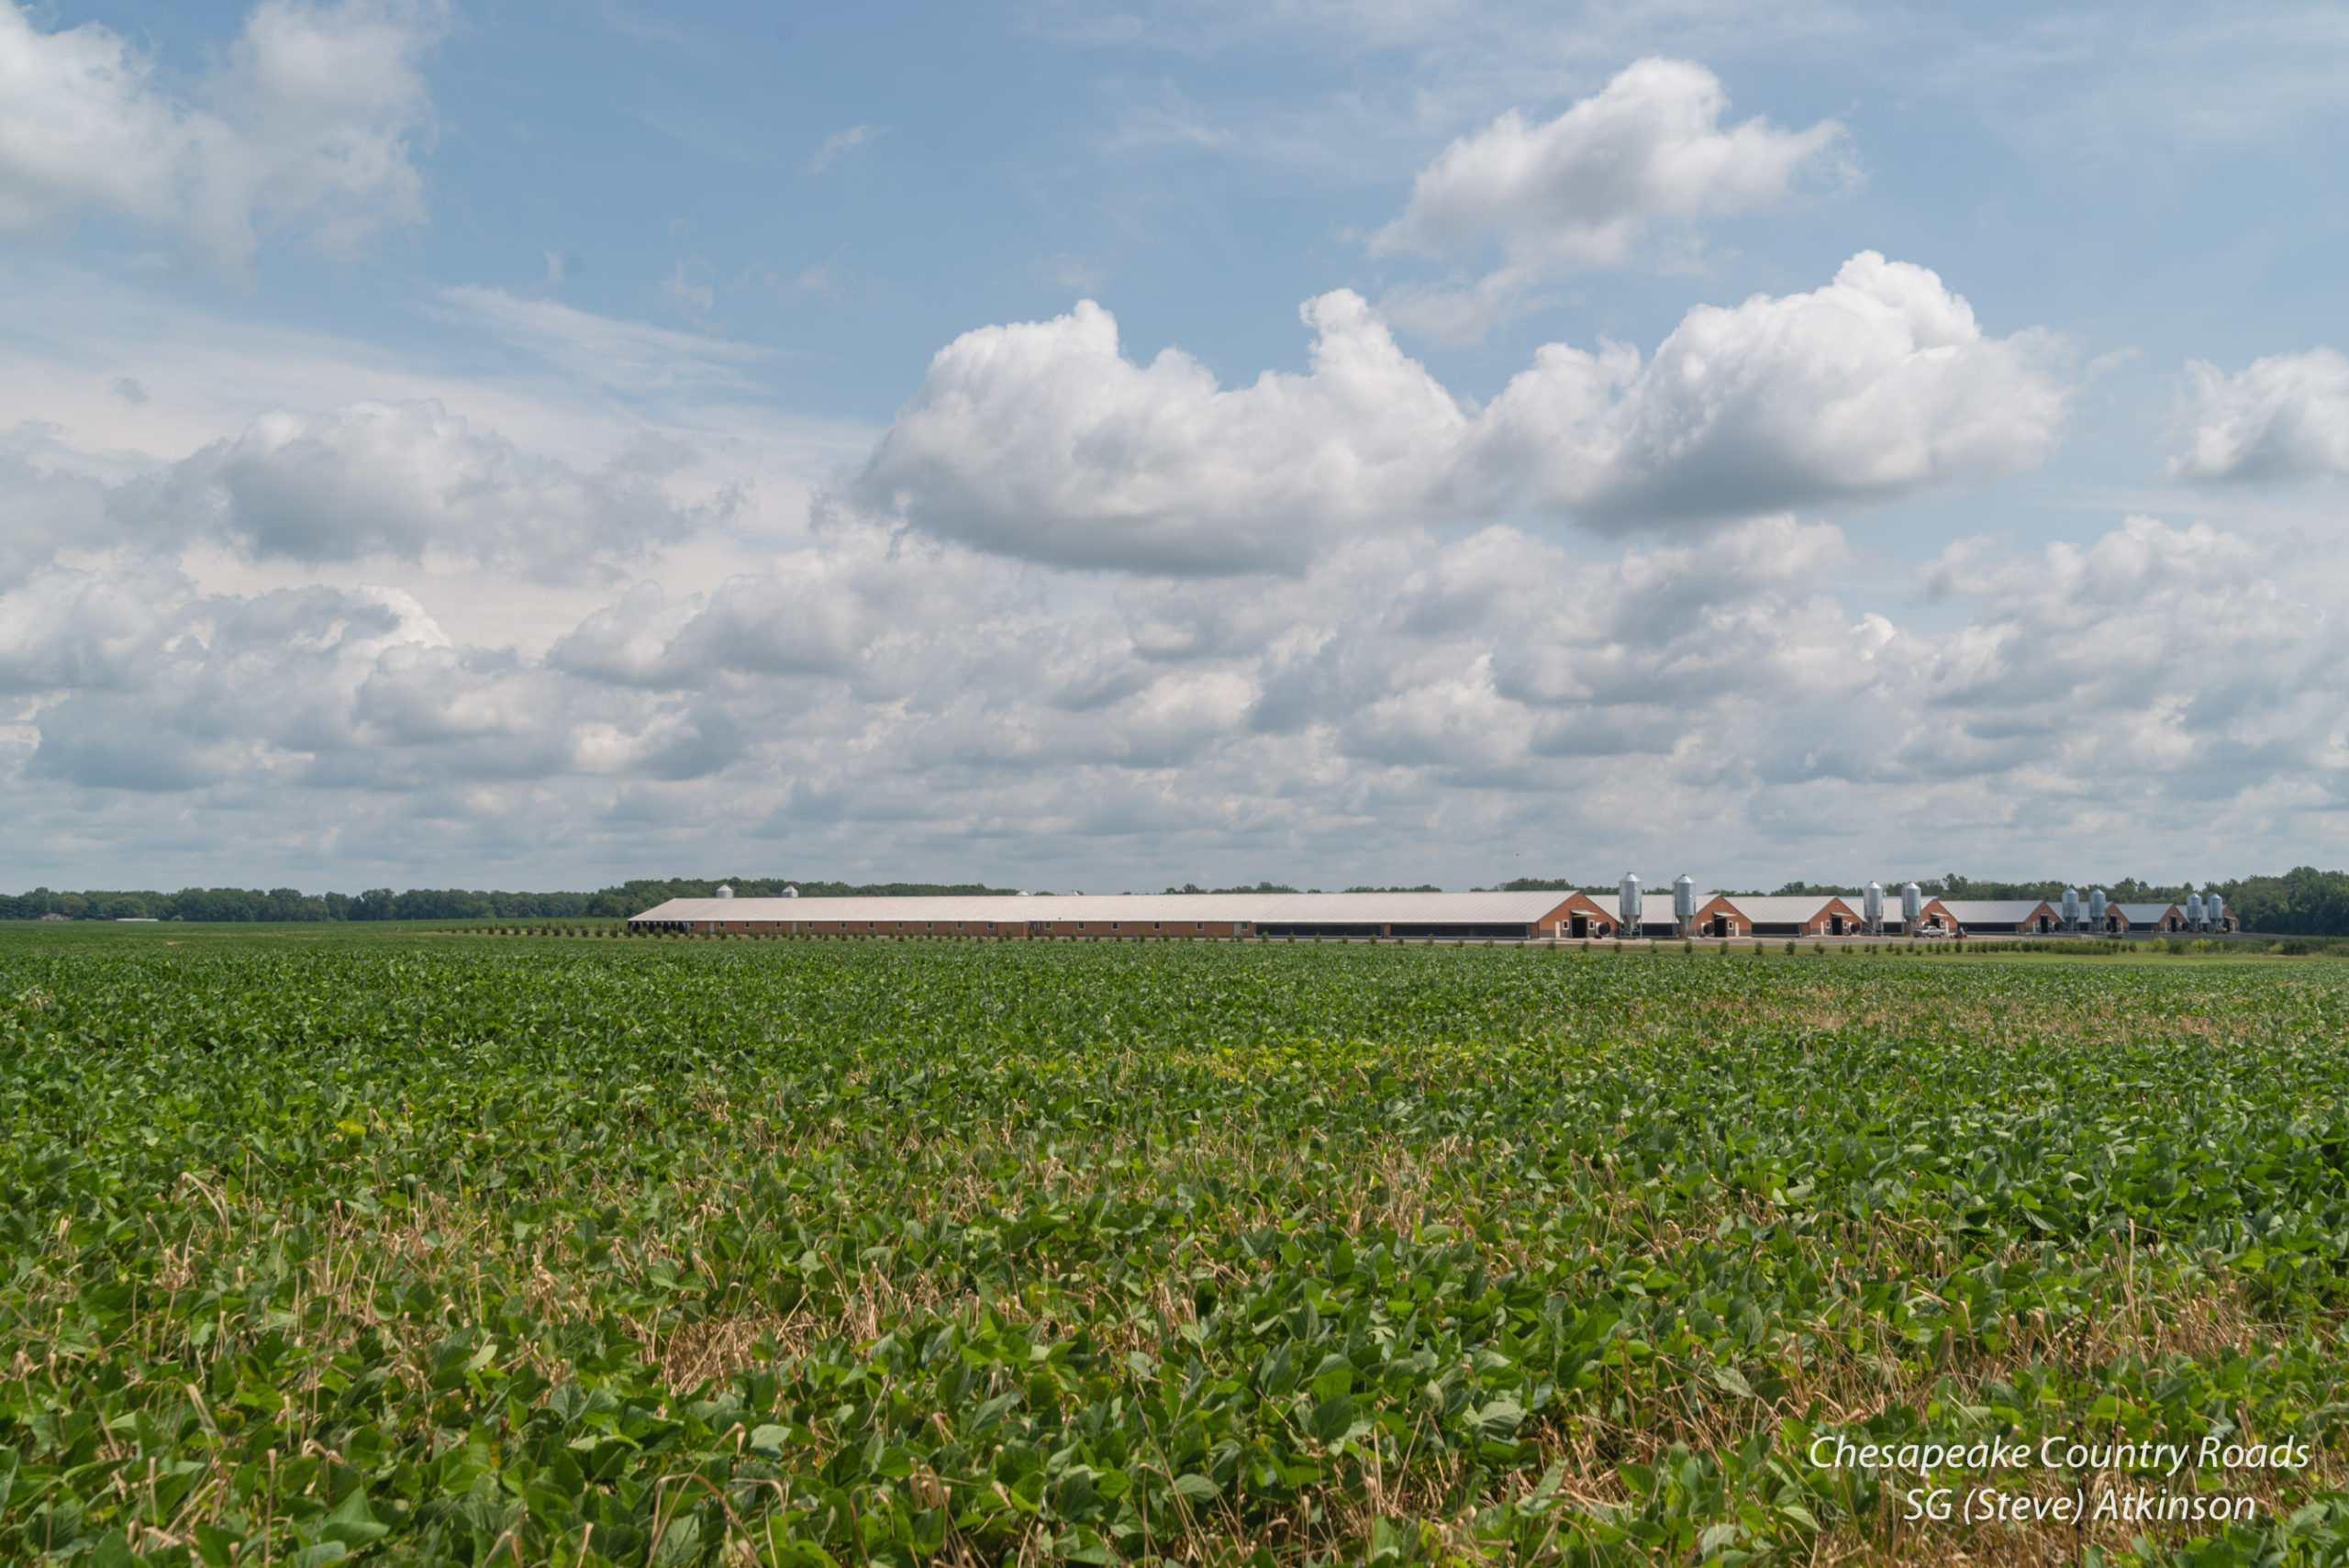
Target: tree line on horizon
x,y
253,906
2303,901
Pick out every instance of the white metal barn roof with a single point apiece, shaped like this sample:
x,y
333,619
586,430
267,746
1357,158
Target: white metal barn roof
x,y
1257,909
1656,905
1654,894
1412,909
1993,911
1788,909
2147,914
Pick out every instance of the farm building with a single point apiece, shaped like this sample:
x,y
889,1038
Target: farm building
x,y
1724,915
1655,922
1717,915
1584,917
1513,916
2197,914
2038,917
1994,916
1497,916
1811,915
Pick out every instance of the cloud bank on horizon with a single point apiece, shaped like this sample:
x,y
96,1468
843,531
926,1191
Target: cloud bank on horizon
x,y
398,491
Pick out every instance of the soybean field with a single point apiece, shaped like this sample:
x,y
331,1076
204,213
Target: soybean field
x,y
485,1249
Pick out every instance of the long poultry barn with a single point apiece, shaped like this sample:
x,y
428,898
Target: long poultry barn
x,y
1427,916
1500,916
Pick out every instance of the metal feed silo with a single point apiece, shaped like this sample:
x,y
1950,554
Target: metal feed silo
x,y
2193,911
1684,903
1872,907
2214,910
1627,906
2071,908
2096,908
1912,908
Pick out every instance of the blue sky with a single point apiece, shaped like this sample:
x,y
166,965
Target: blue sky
x,y
508,444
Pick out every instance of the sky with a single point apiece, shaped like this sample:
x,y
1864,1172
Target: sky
x,y
474,442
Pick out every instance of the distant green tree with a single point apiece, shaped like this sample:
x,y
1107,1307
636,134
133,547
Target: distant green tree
x,y
2303,902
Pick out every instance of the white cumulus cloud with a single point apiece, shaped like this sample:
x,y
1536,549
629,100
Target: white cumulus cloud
x,y
2195,660
404,481
1879,383
308,124
1587,188
2285,417
210,690
1042,440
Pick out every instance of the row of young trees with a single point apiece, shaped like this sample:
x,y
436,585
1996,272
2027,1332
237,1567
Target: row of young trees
x,y
252,904
2301,902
